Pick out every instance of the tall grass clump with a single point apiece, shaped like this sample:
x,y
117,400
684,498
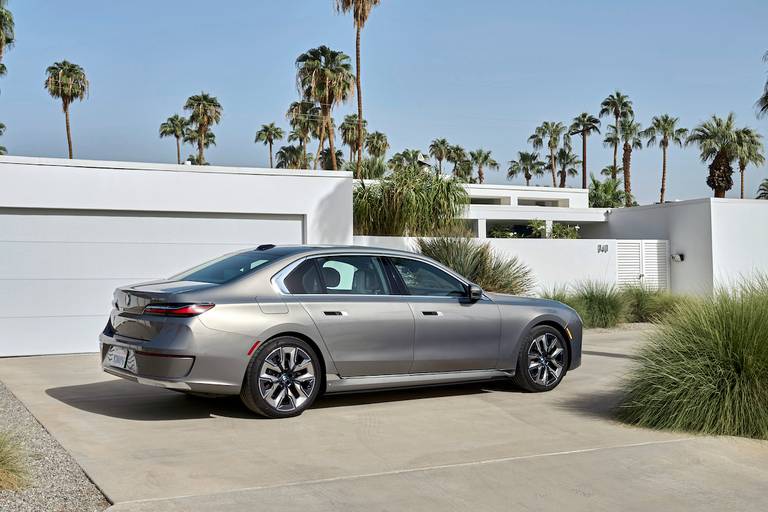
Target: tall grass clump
x,y
646,305
479,264
12,471
598,304
705,369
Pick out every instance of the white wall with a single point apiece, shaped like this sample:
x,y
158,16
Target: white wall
x,y
740,234
688,227
555,263
72,231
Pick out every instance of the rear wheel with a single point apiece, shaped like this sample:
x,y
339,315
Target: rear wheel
x,y
282,379
543,360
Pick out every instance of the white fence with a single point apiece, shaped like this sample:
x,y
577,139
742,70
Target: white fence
x,y
73,231
558,263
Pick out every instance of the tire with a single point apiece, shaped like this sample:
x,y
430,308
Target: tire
x,y
540,347
283,378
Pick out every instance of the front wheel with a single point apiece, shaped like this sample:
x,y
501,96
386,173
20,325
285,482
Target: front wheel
x,y
282,379
543,360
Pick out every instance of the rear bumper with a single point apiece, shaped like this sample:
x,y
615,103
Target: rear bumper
x,y
161,368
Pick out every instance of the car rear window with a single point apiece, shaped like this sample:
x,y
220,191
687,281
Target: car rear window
x,y
228,267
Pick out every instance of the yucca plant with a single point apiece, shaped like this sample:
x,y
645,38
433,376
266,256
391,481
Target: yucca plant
x,y
705,369
599,304
479,264
12,471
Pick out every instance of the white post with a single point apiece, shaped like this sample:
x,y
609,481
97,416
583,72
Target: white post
x,y
548,228
481,233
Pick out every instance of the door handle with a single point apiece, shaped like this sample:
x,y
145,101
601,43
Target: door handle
x,y
335,313
431,313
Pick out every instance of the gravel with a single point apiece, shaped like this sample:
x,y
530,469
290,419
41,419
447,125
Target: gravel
x,y
55,482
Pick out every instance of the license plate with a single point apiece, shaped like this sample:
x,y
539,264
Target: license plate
x,y
117,357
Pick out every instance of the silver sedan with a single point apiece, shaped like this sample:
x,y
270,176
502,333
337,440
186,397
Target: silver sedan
x,y
280,325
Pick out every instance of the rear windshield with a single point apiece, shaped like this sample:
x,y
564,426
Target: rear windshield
x,y
228,267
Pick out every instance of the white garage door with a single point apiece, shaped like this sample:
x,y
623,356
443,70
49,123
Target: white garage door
x,y
58,269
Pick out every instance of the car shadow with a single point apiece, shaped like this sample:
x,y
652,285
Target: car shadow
x,y
601,404
127,400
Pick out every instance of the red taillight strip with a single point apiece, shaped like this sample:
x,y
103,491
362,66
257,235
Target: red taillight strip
x,y
177,309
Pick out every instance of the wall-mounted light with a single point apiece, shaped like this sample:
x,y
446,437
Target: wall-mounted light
x,y
678,257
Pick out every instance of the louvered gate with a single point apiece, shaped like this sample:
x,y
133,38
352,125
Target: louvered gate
x,y
643,262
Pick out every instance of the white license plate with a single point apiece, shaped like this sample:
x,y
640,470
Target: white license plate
x,y
117,357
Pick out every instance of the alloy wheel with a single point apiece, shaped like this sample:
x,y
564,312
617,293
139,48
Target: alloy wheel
x,y
287,378
546,359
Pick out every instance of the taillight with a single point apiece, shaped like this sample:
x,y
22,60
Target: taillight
x,y
177,309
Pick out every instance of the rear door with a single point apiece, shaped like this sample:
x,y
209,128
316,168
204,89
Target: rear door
x,y
452,332
367,329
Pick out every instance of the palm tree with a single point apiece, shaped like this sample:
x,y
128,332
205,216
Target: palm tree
x,y
749,150
664,130
549,133
175,126
349,135
438,150
605,194
482,158
290,157
7,35
192,136
3,150
528,165
325,76
328,160
304,118
610,170
630,136
619,106
406,159
376,144
361,9
205,111
762,102
456,155
267,135
762,191
584,124
716,139
67,81
567,161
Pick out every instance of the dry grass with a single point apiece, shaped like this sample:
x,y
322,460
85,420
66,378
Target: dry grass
x,y
12,471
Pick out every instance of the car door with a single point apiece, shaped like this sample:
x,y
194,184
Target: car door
x,y
452,332
367,329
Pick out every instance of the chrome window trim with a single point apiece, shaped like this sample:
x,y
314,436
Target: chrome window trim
x,y
279,286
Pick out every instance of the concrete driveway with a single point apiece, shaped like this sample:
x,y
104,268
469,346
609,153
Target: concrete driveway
x,y
483,447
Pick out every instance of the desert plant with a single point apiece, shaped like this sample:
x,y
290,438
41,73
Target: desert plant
x,y
599,304
558,293
68,82
479,264
705,368
647,305
12,470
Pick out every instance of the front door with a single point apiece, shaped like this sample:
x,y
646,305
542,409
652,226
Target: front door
x,y
452,332
367,329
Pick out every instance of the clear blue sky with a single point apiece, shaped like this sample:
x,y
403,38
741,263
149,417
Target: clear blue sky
x,y
482,74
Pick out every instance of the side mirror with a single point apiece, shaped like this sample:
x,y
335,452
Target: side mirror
x,y
475,292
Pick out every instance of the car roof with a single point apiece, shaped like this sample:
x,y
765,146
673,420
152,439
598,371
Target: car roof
x,y
290,250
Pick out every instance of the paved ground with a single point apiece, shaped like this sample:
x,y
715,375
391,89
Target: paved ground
x,y
483,447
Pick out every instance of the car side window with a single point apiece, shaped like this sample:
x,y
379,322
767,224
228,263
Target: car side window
x,y
304,279
353,275
424,279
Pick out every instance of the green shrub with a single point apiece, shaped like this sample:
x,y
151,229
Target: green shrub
x,y
598,304
558,293
12,472
479,264
705,369
646,305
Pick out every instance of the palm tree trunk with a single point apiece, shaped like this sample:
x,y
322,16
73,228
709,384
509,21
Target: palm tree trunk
x,y
527,180
178,150
440,165
352,155
304,152
480,175
331,147
562,178
358,168
321,140
742,168
69,130
553,167
583,160
616,144
626,163
663,174
270,155
201,147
